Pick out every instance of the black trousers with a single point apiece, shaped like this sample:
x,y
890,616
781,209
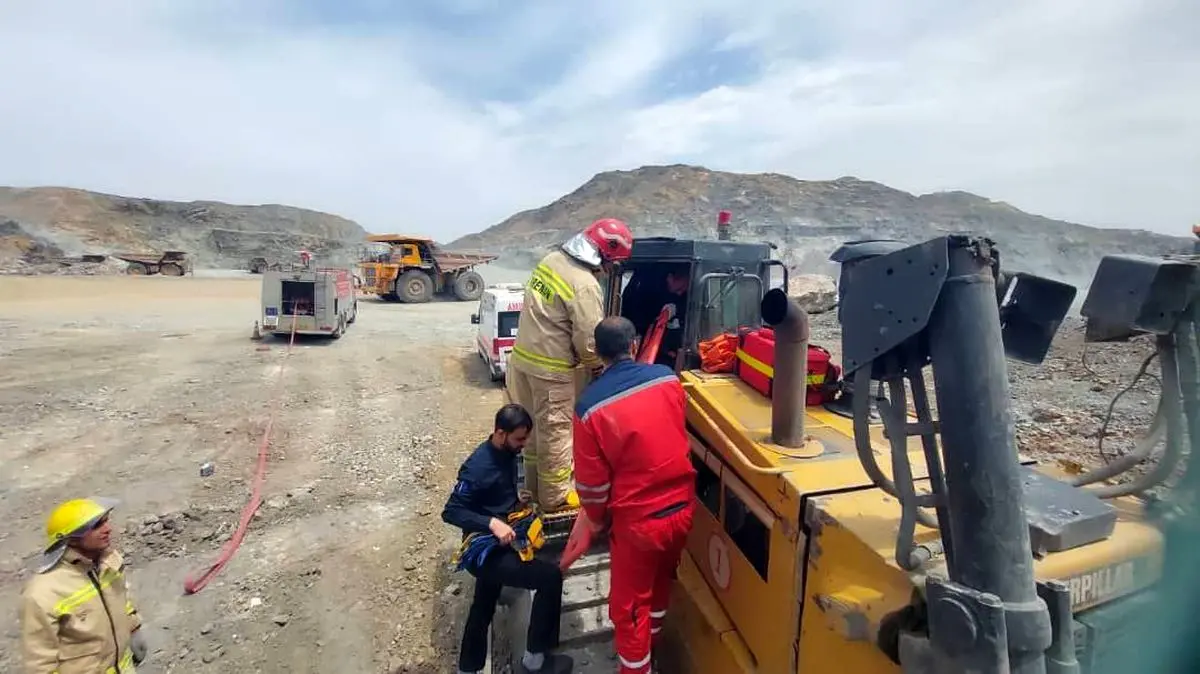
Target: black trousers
x,y
504,568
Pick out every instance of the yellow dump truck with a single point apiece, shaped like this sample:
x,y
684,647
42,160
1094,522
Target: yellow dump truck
x,y
403,268
866,534
167,263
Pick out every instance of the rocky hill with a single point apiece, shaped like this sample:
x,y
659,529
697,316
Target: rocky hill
x,y
809,219
46,222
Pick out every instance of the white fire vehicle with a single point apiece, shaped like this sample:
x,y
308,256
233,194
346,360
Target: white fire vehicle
x,y
497,316
316,301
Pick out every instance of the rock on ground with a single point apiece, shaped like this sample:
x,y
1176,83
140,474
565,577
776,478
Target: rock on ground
x,y
815,293
109,267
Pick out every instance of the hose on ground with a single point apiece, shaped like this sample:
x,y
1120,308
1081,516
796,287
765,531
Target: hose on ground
x,y
193,584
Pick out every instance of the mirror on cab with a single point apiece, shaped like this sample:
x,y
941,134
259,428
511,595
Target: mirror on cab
x,y
475,319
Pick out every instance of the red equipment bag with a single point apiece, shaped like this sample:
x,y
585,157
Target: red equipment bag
x,y
756,359
756,366
823,375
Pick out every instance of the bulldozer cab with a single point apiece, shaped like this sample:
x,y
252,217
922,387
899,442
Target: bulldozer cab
x,y
716,286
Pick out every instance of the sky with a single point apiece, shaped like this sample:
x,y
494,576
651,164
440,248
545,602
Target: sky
x,y
444,117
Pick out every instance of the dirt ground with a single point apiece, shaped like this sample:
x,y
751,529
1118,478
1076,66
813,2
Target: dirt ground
x,y
124,386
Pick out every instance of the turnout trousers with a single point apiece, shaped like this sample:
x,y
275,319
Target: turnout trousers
x,y
548,462
504,568
643,558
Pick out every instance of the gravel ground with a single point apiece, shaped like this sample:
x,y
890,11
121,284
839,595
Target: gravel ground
x,y
124,386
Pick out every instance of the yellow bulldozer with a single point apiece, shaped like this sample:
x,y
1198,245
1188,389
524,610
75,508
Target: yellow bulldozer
x,y
871,533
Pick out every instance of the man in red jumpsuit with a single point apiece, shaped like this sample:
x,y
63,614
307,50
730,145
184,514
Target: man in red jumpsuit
x,y
634,474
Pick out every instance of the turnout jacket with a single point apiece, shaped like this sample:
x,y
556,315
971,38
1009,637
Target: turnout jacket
x,y
563,304
78,618
632,458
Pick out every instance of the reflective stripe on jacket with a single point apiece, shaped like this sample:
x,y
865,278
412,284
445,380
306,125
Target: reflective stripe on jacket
x,y
530,536
563,304
77,618
630,441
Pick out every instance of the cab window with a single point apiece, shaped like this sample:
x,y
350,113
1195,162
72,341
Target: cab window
x,y
646,291
749,534
730,302
506,323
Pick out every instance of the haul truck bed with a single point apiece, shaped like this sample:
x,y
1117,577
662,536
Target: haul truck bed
x,y
586,634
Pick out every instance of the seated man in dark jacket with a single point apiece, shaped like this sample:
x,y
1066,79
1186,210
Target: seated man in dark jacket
x,y
486,492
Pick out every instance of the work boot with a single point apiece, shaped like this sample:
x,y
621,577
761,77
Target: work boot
x,y
571,503
554,663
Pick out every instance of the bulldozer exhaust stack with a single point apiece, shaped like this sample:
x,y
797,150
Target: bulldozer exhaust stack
x,y
791,367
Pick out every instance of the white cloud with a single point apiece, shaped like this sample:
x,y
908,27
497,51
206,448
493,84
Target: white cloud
x,y
1085,111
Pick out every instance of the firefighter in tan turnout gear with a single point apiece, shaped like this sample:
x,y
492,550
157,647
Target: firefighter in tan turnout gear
x,y
77,616
563,304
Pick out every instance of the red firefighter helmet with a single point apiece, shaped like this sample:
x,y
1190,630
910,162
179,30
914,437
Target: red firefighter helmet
x,y
612,239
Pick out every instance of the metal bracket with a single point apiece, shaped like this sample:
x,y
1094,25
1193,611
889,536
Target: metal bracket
x,y
888,299
1031,309
1132,294
852,252
976,632
1062,517
1060,657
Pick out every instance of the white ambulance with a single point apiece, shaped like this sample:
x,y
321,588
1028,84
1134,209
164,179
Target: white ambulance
x,y
499,311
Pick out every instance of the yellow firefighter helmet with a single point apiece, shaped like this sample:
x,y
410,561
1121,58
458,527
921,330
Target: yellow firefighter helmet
x,y
71,518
